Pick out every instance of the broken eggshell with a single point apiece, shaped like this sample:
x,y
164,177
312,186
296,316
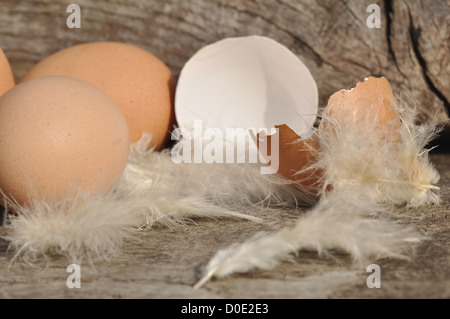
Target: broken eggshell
x,y
296,155
370,102
246,83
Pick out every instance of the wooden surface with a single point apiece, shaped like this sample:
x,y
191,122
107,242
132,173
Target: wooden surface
x,y
411,48
166,263
331,37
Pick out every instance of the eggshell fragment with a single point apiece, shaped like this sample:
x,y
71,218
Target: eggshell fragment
x,y
6,75
371,101
246,82
59,135
295,156
139,82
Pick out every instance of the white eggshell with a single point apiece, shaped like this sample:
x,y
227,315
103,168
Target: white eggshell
x,y
246,82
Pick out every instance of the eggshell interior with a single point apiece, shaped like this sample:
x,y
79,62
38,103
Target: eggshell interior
x,y
246,82
6,75
139,82
57,135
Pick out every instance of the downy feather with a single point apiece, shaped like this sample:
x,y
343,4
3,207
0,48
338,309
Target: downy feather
x,y
365,170
152,191
389,166
342,223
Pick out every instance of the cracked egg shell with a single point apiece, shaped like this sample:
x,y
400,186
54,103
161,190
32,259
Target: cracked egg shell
x,y
59,135
295,156
139,82
371,101
6,75
246,82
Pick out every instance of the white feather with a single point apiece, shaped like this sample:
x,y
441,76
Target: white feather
x,y
239,187
152,191
341,223
365,170
381,165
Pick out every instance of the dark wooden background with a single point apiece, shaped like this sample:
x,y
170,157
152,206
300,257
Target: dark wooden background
x,y
331,36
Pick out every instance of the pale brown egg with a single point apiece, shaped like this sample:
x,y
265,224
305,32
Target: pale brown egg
x,y
59,135
139,82
6,75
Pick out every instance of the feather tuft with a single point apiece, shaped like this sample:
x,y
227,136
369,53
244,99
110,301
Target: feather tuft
x,y
338,223
368,167
152,191
388,165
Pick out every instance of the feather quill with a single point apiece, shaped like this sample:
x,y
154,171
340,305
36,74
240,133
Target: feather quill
x,y
341,223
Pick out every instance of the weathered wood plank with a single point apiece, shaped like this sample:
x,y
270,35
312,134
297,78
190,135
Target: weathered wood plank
x,y
411,48
165,263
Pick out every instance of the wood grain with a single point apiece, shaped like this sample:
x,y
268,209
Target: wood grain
x,y
411,49
164,263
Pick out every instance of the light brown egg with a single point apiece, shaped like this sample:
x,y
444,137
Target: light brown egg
x,y
59,135
6,75
140,83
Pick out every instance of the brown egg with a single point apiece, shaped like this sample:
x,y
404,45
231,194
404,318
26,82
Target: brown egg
x,y
140,83
57,135
6,75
